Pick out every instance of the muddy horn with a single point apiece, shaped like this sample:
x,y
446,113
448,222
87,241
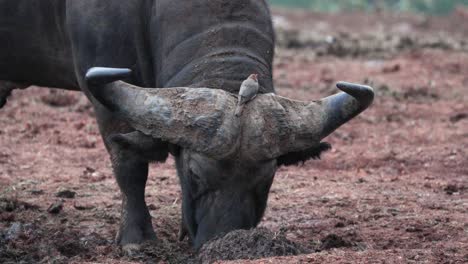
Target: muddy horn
x,y
289,126
202,119
189,117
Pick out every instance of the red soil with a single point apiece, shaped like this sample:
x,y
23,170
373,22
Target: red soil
x,y
394,189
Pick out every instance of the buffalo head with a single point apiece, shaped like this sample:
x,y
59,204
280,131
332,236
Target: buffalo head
x,y
225,164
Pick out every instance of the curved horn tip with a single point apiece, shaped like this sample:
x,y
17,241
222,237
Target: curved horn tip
x,y
103,75
363,93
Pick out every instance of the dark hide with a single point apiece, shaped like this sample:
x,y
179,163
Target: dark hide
x,y
142,145
34,44
166,43
206,48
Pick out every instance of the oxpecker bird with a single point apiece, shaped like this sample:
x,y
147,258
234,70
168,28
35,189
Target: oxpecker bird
x,y
247,92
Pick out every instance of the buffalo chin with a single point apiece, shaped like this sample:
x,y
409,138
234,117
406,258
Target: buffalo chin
x,y
220,212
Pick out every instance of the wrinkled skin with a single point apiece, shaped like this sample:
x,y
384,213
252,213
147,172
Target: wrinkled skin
x,y
226,165
166,43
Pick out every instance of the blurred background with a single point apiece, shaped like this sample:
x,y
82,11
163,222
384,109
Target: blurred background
x,y
426,6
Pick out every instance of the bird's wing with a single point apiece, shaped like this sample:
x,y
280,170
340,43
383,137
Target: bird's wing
x,y
249,90
242,100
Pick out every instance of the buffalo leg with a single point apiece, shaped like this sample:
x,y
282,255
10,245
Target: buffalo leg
x,y
131,172
107,46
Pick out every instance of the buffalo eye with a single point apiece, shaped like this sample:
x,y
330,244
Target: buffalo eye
x,y
194,177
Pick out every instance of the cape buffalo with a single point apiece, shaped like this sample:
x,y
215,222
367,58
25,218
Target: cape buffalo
x,y
202,49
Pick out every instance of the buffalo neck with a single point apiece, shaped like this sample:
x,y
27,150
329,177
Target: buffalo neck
x,y
219,50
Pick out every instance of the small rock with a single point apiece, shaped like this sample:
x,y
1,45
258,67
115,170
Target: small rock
x,y
361,180
340,224
152,207
89,170
92,175
457,117
391,68
393,211
83,206
37,192
163,178
56,207
66,194
413,229
452,189
78,126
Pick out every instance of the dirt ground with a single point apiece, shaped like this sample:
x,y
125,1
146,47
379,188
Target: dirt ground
x,y
394,188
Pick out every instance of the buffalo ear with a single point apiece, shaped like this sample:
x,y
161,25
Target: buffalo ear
x,y
147,147
295,158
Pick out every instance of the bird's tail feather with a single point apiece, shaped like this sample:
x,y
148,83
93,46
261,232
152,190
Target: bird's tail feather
x,y
239,110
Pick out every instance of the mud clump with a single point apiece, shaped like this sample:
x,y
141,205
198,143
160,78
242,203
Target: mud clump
x,y
453,188
66,194
333,241
56,207
160,251
10,205
248,244
40,243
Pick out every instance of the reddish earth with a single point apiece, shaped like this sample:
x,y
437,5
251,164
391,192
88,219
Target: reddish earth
x,y
394,189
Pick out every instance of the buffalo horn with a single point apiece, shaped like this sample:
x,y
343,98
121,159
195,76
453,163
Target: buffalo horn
x,y
279,125
189,117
